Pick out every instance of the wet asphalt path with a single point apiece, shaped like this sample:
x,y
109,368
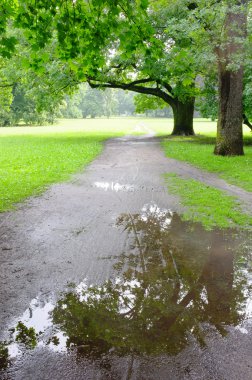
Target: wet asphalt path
x,y
60,236
68,234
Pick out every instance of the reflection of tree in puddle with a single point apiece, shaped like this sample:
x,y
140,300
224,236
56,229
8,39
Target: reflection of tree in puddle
x,y
174,278
3,355
175,281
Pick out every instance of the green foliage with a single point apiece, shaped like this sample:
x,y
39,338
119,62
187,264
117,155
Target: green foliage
x,y
33,96
26,335
117,41
69,108
144,103
91,103
120,42
110,104
87,102
208,100
247,92
4,355
34,105
6,95
125,101
151,106
206,204
6,98
8,41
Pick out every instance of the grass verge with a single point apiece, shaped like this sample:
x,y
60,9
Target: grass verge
x,y
198,151
207,205
30,163
31,158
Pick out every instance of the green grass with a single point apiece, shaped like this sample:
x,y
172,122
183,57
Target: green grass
x,y
31,158
207,205
163,127
198,151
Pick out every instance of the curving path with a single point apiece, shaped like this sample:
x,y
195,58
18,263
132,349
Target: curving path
x,y
70,233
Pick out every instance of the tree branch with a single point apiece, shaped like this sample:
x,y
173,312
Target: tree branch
x,y
246,121
167,87
134,86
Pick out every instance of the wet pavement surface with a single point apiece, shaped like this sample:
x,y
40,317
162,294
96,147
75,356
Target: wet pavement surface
x,y
101,279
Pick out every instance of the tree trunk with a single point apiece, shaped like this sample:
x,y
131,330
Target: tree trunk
x,y
229,128
183,118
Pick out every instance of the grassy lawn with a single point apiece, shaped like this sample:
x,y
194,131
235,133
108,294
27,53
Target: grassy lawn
x,y
198,151
33,157
205,204
208,205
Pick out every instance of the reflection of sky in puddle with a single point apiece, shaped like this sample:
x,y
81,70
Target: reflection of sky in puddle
x,y
173,278
38,317
114,186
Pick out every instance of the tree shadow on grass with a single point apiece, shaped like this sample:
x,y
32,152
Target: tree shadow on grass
x,y
205,140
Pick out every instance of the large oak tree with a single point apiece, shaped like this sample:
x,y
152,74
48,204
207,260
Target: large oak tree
x,y
158,47
138,46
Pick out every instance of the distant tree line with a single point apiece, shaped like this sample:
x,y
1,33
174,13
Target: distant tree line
x,y
86,102
34,99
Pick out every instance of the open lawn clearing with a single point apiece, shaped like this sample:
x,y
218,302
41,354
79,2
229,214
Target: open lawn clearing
x,y
33,157
97,127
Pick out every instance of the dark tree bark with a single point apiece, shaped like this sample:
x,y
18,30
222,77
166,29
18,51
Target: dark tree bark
x,y
183,118
229,128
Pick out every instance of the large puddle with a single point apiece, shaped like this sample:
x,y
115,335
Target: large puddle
x,y
173,284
